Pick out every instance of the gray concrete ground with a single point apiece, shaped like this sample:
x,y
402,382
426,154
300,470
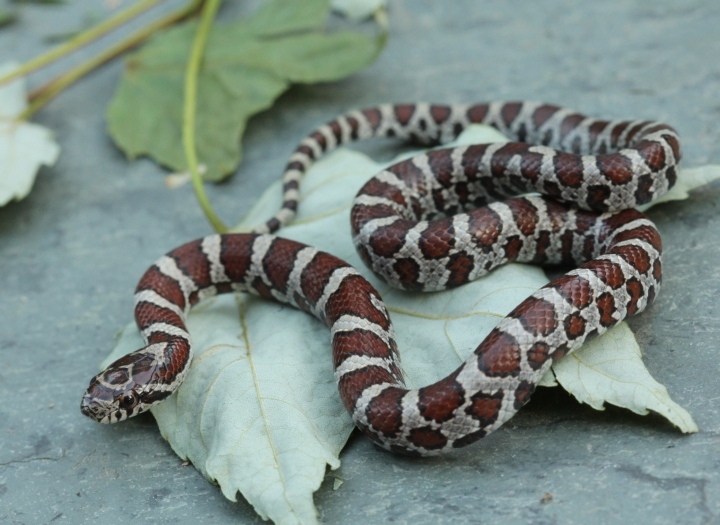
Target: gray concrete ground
x,y
71,253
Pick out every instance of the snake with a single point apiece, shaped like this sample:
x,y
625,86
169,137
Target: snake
x,y
563,192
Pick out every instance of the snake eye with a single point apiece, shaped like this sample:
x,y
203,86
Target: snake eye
x,y
129,400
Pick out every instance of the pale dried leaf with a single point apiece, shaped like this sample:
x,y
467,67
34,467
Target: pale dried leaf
x,y
615,374
24,147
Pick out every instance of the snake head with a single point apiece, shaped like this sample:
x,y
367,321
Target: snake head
x,y
127,387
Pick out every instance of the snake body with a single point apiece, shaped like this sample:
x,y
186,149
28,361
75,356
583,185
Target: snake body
x,y
430,223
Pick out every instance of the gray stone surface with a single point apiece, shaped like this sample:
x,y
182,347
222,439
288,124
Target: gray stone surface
x,y
71,253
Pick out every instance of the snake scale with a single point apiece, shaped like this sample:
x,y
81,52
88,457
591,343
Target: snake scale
x,y
433,222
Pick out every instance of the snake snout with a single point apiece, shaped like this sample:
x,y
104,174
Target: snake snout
x,y
97,403
90,408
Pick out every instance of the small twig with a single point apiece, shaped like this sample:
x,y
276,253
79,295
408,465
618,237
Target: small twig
x,y
80,40
190,108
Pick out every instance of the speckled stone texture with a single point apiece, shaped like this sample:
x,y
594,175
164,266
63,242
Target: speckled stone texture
x,y
72,252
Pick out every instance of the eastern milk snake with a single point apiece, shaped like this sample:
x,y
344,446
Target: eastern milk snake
x,y
424,224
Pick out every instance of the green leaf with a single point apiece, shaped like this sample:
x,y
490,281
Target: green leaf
x,y
7,18
24,147
259,411
247,65
269,20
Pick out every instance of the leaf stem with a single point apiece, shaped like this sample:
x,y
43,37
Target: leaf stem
x,y
80,40
190,108
42,95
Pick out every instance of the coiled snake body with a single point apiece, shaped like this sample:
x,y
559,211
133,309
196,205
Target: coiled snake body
x,y
425,224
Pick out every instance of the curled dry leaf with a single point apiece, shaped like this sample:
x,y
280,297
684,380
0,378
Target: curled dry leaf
x,y
259,411
24,147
